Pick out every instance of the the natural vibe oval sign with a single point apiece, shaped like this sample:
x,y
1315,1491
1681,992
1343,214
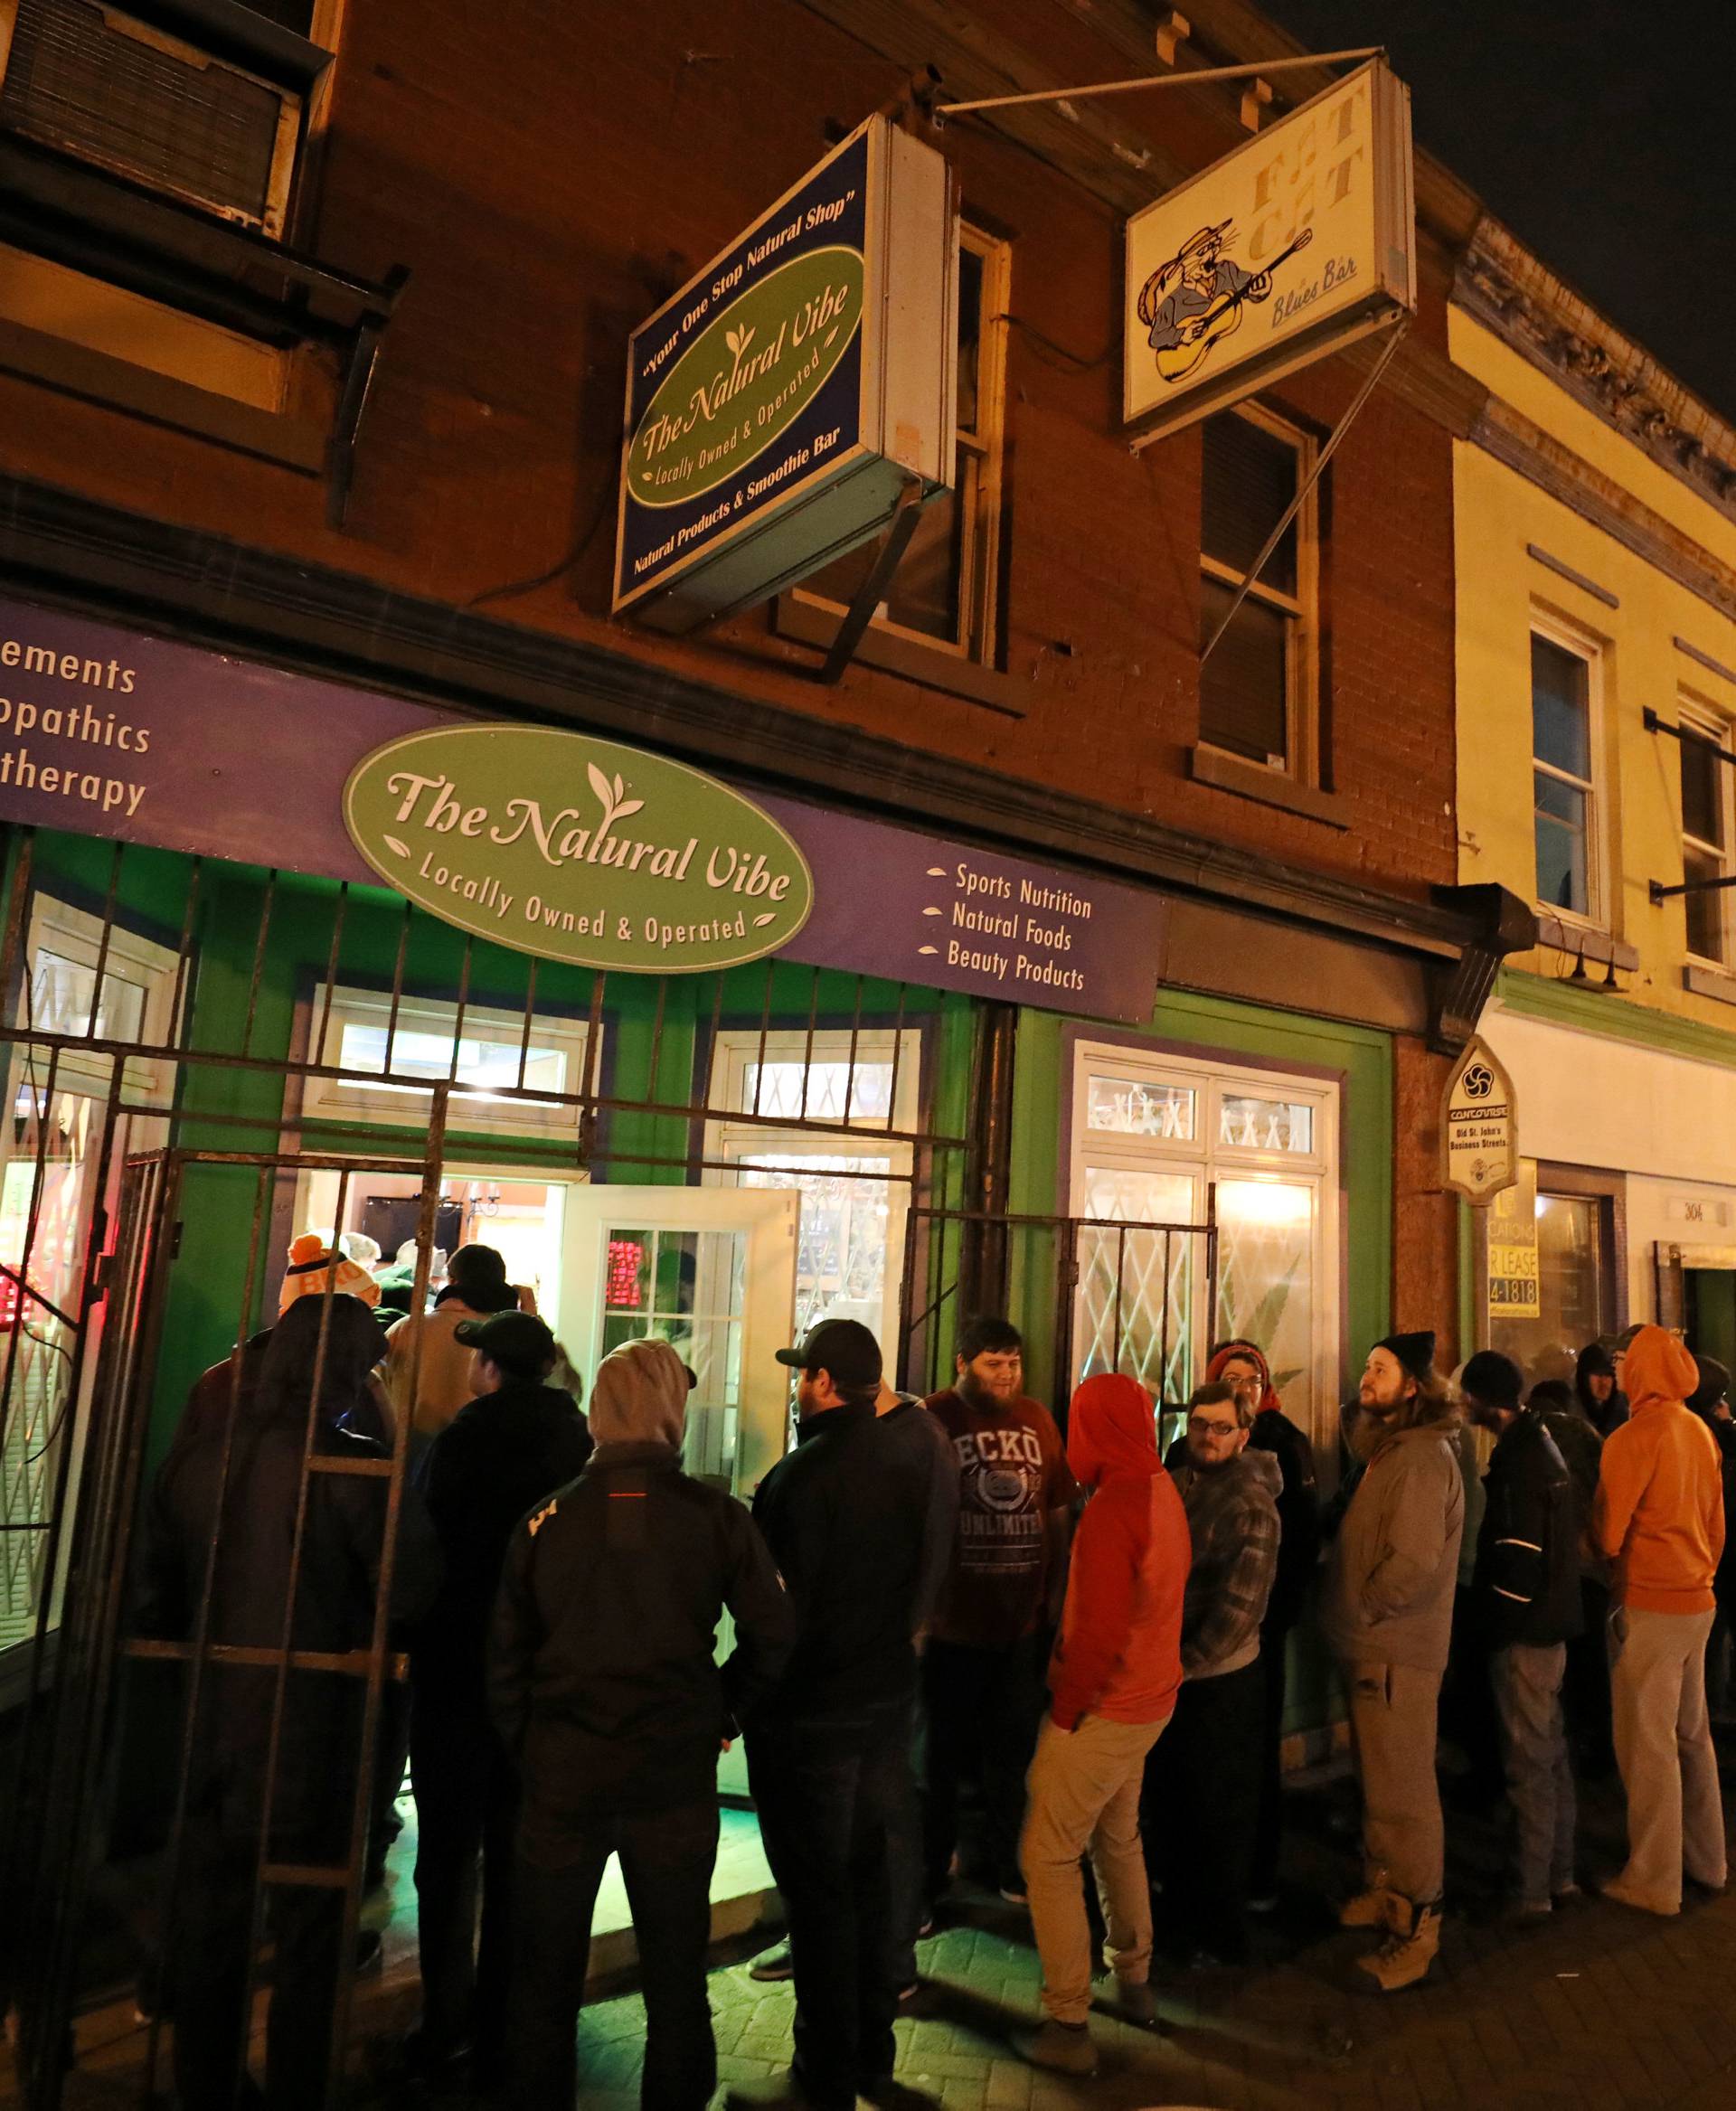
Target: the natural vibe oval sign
x,y
577,849
746,378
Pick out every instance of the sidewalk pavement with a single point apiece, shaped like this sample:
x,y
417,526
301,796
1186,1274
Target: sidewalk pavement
x,y
1600,2007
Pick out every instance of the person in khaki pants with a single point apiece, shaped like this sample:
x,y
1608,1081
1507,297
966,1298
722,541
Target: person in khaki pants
x,y
1112,1681
1388,1616
1659,1518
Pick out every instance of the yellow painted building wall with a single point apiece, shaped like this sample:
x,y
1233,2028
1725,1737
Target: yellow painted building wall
x,y
1500,588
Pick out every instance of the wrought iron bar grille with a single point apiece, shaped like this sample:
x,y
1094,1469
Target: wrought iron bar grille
x,y
190,1044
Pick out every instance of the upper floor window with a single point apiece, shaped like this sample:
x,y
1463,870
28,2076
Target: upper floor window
x,y
1707,834
1564,793
944,591
1258,690
211,114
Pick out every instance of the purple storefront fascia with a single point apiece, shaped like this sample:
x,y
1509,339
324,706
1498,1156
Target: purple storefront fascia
x,y
112,733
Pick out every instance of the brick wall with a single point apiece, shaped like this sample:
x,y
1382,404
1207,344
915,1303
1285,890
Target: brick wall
x,y
1425,1217
551,173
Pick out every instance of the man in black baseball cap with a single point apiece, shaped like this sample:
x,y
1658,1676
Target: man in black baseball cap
x,y
846,1515
844,1348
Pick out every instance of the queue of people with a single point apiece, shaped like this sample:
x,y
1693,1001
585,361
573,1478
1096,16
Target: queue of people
x,y
927,1598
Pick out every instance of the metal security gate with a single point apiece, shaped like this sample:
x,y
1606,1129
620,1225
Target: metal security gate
x,y
176,1029
71,1732
190,1042
1100,1295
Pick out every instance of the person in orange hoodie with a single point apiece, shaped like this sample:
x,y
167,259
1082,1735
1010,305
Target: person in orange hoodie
x,y
1658,1517
1113,1679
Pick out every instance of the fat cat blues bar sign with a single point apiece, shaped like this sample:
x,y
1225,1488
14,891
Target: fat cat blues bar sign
x,y
1289,248
778,406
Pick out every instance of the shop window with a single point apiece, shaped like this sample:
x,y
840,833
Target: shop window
x,y
491,1060
1564,793
1258,690
1151,1136
855,1185
1706,831
77,984
129,981
1550,1244
944,591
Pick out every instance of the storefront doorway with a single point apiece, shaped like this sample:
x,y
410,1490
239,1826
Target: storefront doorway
x,y
710,1270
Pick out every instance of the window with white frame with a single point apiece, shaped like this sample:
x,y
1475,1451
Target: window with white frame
x,y
1258,690
1707,834
84,984
498,1056
854,1181
1151,1135
1564,775
943,592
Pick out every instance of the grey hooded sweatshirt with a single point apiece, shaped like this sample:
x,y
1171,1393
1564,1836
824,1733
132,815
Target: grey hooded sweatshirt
x,y
1388,1595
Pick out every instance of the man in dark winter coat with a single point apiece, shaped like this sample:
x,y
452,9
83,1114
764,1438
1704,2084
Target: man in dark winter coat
x,y
846,1515
605,1686
246,1503
1526,1590
517,1441
1585,1689
905,1418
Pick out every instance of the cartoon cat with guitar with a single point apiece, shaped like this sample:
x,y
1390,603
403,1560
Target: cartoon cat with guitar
x,y
1197,298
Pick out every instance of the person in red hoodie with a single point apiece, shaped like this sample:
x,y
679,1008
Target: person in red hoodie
x,y
1113,1679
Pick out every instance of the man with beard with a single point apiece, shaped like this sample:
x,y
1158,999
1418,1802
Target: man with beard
x,y
1525,1597
988,1644
1388,1616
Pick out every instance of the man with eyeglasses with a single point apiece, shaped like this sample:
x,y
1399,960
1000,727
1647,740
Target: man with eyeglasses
x,y
1208,1759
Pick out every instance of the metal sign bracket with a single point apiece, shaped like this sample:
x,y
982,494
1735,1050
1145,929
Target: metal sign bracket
x,y
872,592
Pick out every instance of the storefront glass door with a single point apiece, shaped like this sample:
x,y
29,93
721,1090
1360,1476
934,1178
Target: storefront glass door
x,y
712,1271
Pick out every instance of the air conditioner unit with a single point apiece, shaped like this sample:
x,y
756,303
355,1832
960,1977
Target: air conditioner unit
x,y
95,82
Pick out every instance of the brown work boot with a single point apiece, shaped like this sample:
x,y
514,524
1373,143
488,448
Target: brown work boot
x,y
1412,1938
1368,1908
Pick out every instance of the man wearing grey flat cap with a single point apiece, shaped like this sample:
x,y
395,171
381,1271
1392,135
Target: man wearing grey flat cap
x,y
1388,1615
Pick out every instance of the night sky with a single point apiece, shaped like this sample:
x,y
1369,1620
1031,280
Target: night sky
x,y
1602,133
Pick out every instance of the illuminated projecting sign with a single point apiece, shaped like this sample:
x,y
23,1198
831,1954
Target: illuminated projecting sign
x,y
1287,249
779,404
